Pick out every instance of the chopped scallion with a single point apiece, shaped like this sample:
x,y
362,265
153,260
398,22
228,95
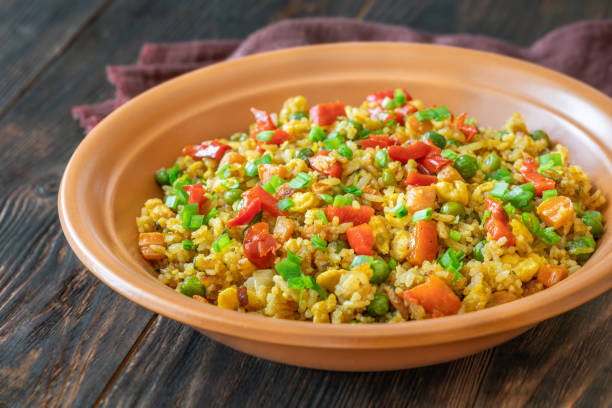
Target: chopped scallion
x,y
455,235
400,210
221,243
319,243
549,194
274,183
424,214
438,113
449,154
301,181
285,204
265,136
188,245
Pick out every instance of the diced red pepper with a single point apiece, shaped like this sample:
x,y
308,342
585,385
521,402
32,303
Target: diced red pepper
x,y
349,213
435,296
254,200
196,195
263,121
361,239
210,149
467,130
268,202
381,114
376,141
433,161
260,246
380,96
417,179
402,112
414,150
529,170
278,138
498,224
325,114
326,164
247,212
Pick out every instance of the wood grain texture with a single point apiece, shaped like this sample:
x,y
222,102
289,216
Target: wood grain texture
x,y
68,340
518,21
32,34
177,366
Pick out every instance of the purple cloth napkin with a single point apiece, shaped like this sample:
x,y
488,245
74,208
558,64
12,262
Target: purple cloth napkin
x,y
582,50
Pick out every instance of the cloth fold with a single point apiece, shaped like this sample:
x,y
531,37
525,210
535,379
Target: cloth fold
x,y
582,50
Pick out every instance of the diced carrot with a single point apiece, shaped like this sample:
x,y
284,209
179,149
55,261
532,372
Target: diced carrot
x,y
283,229
557,211
349,213
419,198
417,179
418,127
145,240
423,242
549,275
361,239
414,150
325,114
435,296
266,171
232,158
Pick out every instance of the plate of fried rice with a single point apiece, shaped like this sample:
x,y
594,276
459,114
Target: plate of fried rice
x,y
414,212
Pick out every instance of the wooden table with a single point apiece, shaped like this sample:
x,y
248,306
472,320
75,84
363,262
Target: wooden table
x,y
68,340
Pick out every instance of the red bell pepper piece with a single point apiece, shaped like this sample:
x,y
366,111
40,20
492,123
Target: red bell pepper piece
x,y
467,130
210,149
417,179
326,164
380,96
376,141
325,114
263,121
348,213
433,160
254,200
247,212
196,195
435,296
268,202
260,246
414,150
402,112
529,170
498,224
361,239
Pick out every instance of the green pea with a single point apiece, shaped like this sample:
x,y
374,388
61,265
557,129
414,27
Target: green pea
x,y
192,286
478,251
388,178
379,306
232,195
540,134
492,162
595,224
452,208
162,177
304,153
380,271
466,166
436,138
338,246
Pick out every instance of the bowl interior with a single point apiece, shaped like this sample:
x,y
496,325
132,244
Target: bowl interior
x,y
117,161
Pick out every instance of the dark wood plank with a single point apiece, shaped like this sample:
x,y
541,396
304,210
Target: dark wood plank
x,y
196,371
564,361
32,34
519,21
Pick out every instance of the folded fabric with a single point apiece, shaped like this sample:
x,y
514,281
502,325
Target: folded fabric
x,y
582,50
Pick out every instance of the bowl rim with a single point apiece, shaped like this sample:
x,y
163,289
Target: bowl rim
x,y
520,313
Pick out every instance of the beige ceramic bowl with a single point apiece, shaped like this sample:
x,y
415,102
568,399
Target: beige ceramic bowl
x,y
111,174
